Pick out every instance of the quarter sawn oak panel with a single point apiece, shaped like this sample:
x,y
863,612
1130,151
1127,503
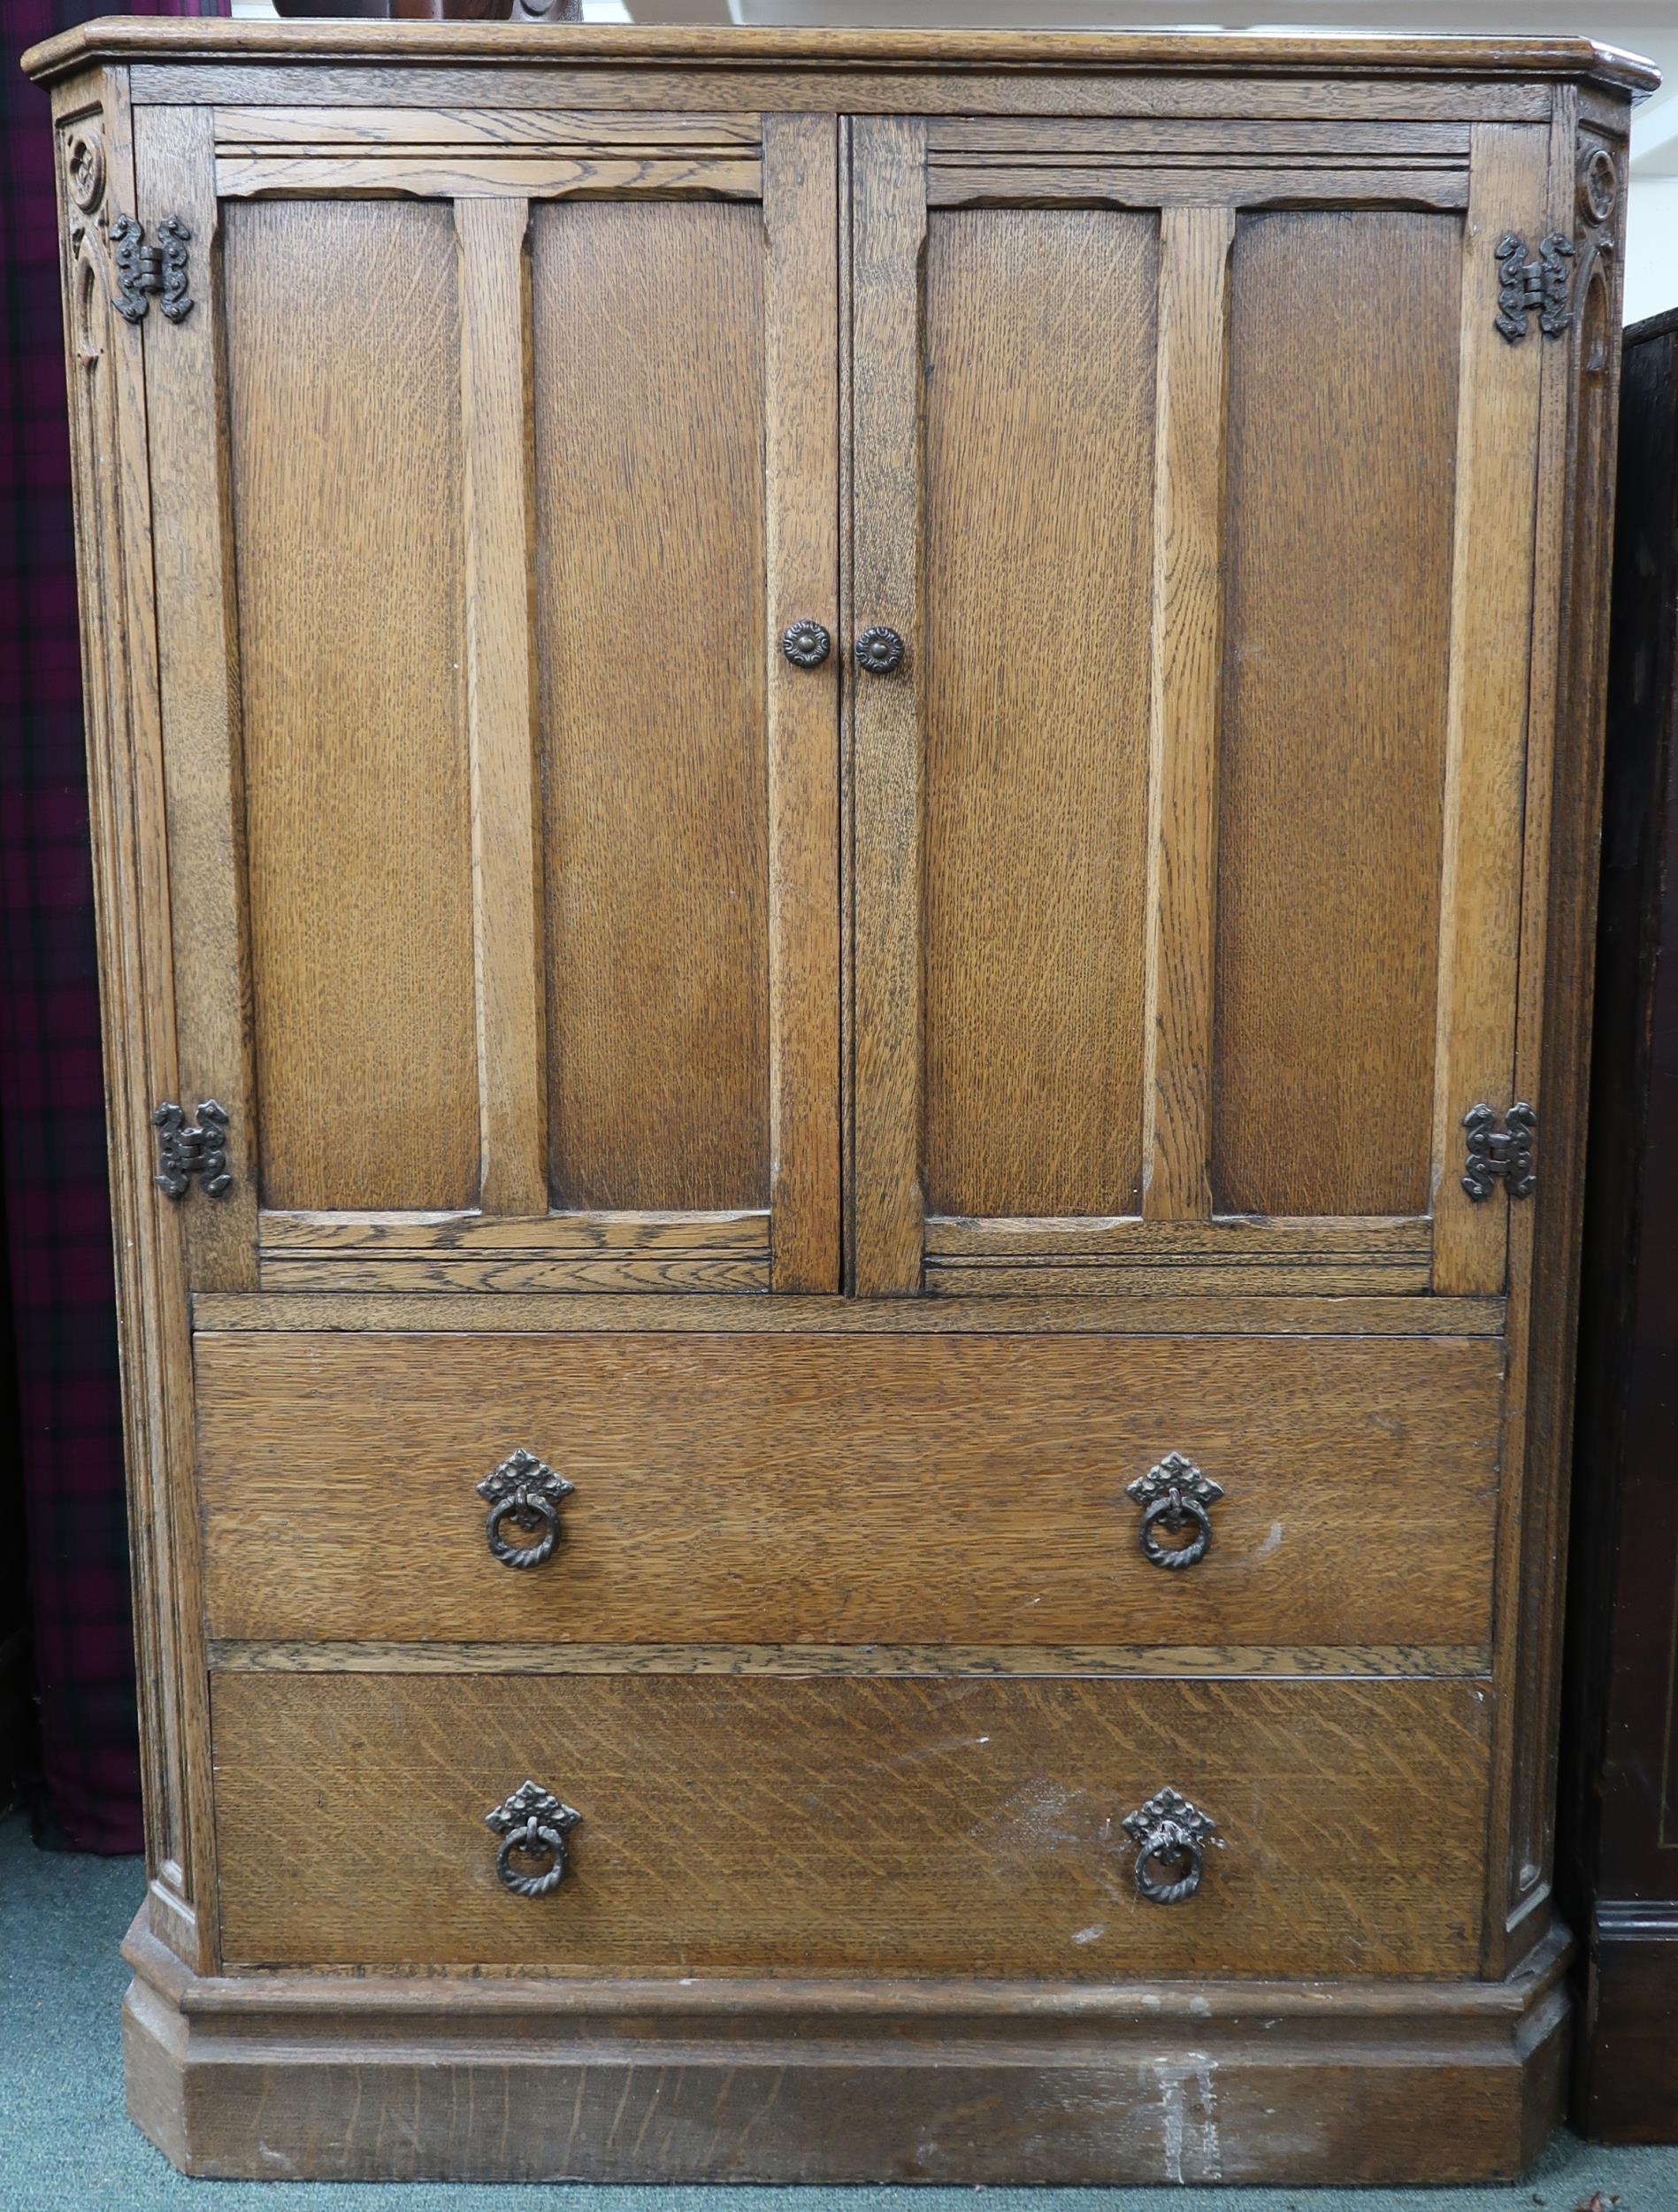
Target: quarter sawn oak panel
x,y
1341,424
648,330
347,511
884,1827
895,1490
1040,447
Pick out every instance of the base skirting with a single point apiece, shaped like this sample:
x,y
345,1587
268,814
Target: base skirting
x,y
341,2077
1625,2088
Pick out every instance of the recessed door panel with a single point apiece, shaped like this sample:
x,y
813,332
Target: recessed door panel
x,y
649,342
1338,518
343,403
1039,475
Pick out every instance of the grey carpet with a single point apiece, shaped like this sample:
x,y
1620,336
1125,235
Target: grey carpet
x,y
66,2147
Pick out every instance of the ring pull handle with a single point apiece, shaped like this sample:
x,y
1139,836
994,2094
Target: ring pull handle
x,y
878,651
1171,1836
526,1493
1174,1495
533,1824
806,644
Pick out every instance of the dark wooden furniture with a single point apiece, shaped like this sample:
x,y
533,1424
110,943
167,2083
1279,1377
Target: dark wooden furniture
x,y
1619,1859
847,793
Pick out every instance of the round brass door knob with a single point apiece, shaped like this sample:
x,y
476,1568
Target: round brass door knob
x,y
879,651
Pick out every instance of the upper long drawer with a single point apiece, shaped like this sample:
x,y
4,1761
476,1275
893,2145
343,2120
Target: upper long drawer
x,y
844,1491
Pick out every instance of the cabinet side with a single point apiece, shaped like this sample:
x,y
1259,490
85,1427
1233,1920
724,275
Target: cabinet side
x,y
93,169
1558,910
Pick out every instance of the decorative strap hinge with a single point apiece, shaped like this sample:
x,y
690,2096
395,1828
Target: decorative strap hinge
x,y
143,271
1500,1153
186,1149
1538,287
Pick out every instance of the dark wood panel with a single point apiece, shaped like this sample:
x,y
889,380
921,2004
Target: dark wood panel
x,y
1617,1852
648,322
346,512
1341,424
822,1490
1040,504
836,1825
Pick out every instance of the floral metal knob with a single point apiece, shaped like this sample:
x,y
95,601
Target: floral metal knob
x,y
806,644
531,1822
878,651
527,1493
1174,1495
1171,1836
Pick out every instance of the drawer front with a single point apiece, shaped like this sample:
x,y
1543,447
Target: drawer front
x,y
913,1825
841,1491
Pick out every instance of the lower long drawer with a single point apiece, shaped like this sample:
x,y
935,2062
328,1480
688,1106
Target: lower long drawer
x,y
965,1825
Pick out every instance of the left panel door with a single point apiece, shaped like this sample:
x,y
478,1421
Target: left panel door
x,y
491,460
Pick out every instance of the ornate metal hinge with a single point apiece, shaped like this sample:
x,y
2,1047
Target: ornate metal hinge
x,y
1534,288
143,269
1500,1154
188,1148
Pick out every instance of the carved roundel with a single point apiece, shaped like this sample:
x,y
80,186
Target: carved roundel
x,y
1598,184
84,162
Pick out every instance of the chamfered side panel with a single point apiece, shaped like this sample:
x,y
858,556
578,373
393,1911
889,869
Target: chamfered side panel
x,y
1338,535
343,372
1039,443
649,373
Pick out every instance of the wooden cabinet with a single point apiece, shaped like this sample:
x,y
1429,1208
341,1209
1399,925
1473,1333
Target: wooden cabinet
x,y
844,792
1618,1855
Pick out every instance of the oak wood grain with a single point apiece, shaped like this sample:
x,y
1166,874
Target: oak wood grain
x,y
1144,183
651,624
1232,1662
1161,138
1485,767
1332,750
467,175
192,579
1579,410
1040,340
907,1489
128,810
356,760
888,241
900,1826
800,368
502,706
578,1233
331,123
516,2076
1036,89
514,1272
1185,662
1322,63
1153,1312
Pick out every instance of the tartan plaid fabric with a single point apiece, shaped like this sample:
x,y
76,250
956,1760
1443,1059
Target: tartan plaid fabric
x,y
57,1208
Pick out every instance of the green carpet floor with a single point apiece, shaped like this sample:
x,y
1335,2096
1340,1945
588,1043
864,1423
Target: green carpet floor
x,y
66,2147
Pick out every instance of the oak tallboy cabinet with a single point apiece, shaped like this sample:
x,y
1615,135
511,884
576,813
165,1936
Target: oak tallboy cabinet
x,y
844,791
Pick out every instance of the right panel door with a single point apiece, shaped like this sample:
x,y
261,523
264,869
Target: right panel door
x,y
1196,476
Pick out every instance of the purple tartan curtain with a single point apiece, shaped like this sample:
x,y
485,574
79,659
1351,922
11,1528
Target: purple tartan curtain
x,y
52,1149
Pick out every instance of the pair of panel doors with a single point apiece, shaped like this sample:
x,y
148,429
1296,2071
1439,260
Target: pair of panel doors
x,y
542,925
